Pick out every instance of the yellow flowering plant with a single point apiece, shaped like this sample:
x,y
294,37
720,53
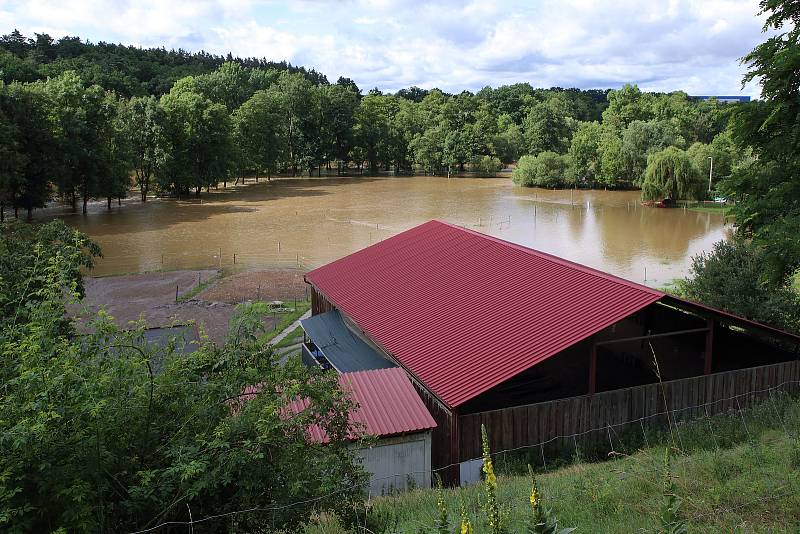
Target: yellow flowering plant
x,y
542,520
492,507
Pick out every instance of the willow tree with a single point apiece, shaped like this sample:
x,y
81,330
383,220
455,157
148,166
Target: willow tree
x,y
671,174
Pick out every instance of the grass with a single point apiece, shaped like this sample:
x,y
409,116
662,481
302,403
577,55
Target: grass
x,y
709,207
290,339
287,318
734,473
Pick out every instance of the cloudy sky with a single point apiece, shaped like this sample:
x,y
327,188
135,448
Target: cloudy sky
x,y
662,45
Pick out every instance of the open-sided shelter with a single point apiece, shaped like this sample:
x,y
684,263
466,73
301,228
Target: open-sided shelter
x,y
483,325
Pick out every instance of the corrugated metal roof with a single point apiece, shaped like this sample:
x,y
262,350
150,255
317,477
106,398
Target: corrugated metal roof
x,y
464,312
387,404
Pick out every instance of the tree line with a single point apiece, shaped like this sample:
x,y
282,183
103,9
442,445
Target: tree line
x,y
661,143
84,135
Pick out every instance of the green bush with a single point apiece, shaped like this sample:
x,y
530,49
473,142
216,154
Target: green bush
x,y
489,166
107,433
547,169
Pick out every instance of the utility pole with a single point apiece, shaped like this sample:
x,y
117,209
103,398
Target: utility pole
x,y
710,172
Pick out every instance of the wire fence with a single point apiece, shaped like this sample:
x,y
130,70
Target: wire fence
x,y
767,395
202,260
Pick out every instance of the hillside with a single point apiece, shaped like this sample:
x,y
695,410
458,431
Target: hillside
x,y
732,474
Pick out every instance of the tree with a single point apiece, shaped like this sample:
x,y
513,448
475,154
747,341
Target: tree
x,y
767,190
340,103
200,132
428,149
143,123
83,121
547,169
548,125
584,152
509,142
457,150
672,175
722,151
626,105
372,128
260,131
30,151
105,432
296,91
640,139
228,85
613,170
732,277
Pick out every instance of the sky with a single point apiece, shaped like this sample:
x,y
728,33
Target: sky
x,y
661,45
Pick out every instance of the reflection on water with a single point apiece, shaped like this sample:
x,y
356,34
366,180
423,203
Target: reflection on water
x,y
313,221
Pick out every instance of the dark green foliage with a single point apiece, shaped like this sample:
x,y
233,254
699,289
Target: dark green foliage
x,y
104,432
731,277
767,189
30,253
127,70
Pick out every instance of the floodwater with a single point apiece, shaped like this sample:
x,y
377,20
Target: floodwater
x,y
309,222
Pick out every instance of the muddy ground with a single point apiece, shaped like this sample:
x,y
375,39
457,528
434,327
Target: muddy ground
x,y
151,296
257,285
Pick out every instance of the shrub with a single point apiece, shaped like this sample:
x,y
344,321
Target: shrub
x,y
731,277
547,169
489,166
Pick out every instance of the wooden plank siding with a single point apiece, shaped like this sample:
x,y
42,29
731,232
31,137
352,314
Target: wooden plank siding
x,y
319,304
595,417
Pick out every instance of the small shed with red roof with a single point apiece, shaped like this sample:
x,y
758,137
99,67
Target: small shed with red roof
x,y
482,324
387,408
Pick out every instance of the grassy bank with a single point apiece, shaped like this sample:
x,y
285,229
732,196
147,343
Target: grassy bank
x,y
734,473
288,317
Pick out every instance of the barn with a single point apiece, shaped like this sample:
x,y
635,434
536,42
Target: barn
x,y
532,346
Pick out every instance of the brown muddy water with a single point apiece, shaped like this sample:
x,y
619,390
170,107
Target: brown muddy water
x,y
309,222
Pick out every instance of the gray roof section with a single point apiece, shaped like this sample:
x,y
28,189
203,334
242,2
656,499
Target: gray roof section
x,y
343,349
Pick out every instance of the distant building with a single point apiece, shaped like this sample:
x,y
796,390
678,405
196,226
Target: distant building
x,y
723,99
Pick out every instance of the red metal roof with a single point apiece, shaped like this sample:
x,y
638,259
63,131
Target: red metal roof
x,y
464,312
387,404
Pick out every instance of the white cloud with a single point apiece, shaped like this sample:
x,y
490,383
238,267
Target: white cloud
x,y
692,45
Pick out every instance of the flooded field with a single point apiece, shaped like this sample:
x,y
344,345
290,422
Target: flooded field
x,y
308,222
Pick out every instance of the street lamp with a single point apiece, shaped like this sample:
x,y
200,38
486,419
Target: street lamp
x,y
710,172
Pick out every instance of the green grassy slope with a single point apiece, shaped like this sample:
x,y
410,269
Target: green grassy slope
x,y
734,473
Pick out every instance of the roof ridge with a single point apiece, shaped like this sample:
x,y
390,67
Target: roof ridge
x,y
552,258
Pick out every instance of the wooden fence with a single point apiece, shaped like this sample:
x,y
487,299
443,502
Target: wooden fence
x,y
560,423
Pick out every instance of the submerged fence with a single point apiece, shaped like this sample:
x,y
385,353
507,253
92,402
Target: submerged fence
x,y
195,260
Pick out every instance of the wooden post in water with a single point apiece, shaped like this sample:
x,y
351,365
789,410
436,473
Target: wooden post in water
x,y
176,292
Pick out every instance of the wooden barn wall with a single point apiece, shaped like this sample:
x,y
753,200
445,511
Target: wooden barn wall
x,y
594,417
319,304
442,445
